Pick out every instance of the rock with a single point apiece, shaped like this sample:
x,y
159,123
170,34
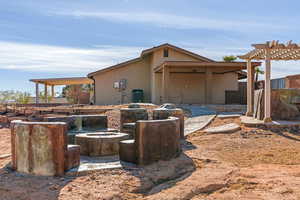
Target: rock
x,y
5,156
228,128
225,116
168,106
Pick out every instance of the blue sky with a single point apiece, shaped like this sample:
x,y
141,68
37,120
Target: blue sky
x,y
40,39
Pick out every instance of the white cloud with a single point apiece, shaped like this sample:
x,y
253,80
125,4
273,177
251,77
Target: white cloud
x,y
64,60
45,58
175,21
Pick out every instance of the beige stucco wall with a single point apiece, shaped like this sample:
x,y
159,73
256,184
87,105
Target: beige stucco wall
x,y
221,83
189,88
137,76
183,88
155,60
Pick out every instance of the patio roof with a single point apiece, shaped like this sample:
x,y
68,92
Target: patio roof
x,y
63,81
274,50
231,66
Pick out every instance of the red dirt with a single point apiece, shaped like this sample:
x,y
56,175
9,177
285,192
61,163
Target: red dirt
x,y
248,164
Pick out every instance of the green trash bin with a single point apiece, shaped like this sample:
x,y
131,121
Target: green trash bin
x,y
137,95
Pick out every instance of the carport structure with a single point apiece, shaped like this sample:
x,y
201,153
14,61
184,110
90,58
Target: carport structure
x,y
271,50
55,82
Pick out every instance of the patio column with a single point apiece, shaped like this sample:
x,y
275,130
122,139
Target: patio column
x,y
37,93
46,93
208,86
250,88
52,91
267,91
165,84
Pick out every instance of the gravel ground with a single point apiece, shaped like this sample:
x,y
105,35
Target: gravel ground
x,y
248,164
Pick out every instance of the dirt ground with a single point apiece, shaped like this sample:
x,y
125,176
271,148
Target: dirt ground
x,y
249,164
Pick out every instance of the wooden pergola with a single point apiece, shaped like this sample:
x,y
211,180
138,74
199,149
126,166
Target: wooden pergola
x,y
269,51
57,81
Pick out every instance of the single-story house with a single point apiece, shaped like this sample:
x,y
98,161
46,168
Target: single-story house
x,y
167,73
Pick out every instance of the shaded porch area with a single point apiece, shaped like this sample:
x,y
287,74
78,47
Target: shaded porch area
x,y
52,82
194,82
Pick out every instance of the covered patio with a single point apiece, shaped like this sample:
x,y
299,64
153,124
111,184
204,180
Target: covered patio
x,y
267,52
206,73
52,82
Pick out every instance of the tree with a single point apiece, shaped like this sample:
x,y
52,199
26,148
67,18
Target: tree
x,y
229,58
22,97
43,96
258,72
10,96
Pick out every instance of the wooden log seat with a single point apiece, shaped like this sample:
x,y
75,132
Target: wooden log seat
x,y
154,140
40,148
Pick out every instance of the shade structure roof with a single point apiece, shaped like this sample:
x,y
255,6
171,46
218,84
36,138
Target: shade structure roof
x,y
229,65
63,81
273,50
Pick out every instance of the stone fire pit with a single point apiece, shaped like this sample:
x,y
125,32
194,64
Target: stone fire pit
x,y
99,143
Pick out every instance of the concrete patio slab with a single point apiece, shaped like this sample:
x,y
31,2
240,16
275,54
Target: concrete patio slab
x,y
252,122
197,123
91,164
227,128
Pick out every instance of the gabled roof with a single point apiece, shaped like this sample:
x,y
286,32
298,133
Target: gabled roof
x,y
148,51
167,45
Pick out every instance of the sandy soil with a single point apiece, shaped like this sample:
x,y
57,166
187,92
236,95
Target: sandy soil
x,y
248,164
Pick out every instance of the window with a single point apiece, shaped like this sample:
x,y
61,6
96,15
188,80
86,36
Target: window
x,y
166,53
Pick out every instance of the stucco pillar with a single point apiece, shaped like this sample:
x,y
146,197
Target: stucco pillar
x,y
46,93
165,84
267,108
153,86
37,93
250,88
208,86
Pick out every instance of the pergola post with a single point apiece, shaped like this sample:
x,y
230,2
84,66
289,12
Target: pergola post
x,y
37,93
267,91
52,91
165,84
250,88
208,85
46,93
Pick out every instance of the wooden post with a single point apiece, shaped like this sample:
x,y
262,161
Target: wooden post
x,y
165,84
250,88
37,93
52,91
46,93
267,91
208,85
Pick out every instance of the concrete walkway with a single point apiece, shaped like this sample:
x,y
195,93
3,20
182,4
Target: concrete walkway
x,y
201,116
197,123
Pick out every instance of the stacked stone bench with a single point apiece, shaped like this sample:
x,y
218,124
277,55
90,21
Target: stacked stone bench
x,y
170,110
129,116
154,140
40,148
